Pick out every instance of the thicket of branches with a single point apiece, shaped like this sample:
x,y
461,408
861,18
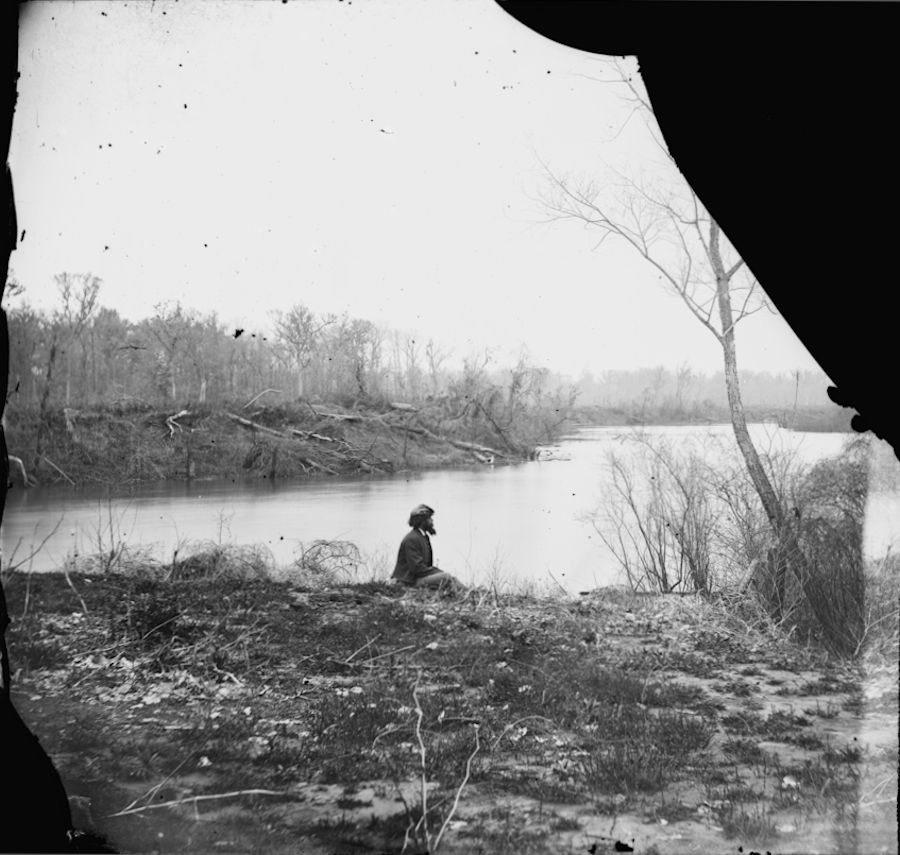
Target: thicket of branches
x,y
689,520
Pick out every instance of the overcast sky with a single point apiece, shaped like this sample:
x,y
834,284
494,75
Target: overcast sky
x,y
377,157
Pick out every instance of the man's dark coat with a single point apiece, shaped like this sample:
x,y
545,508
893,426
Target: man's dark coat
x,y
414,559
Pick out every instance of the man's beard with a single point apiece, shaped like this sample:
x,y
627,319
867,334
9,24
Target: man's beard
x,y
428,527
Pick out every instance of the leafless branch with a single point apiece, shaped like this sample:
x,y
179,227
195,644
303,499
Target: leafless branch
x,y
194,799
459,789
255,398
734,268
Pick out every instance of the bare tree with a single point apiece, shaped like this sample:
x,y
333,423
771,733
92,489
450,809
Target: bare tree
x,y
435,356
78,297
684,379
413,373
664,223
299,331
168,326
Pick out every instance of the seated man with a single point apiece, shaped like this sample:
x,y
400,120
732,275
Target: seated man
x,y
414,560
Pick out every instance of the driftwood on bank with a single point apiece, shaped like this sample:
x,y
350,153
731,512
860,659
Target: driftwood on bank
x,y
316,465
457,443
308,434
342,417
341,450
52,464
172,422
254,425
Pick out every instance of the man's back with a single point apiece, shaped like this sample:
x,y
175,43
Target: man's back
x,y
414,558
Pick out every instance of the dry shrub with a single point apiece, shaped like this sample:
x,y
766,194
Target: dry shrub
x,y
882,611
674,521
329,560
209,560
130,560
817,582
659,520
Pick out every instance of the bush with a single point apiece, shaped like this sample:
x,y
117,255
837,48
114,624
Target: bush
x,y
330,560
823,597
30,648
207,560
150,617
676,521
659,524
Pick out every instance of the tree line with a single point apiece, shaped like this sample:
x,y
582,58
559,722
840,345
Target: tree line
x,y
681,389
82,354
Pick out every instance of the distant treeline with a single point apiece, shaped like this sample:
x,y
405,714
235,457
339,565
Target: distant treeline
x,y
85,355
683,387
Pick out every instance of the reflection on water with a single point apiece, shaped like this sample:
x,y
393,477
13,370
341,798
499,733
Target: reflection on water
x,y
524,522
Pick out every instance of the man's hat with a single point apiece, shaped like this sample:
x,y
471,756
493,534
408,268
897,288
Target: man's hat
x,y
419,512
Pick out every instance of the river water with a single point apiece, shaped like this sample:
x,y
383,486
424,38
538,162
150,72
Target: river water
x,y
512,524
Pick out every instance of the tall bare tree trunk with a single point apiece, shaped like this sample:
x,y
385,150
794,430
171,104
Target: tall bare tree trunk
x,y
774,509
761,482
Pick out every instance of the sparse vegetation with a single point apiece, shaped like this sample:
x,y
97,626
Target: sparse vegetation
x,y
677,522
361,714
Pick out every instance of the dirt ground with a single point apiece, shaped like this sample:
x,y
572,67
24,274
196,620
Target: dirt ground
x,y
232,716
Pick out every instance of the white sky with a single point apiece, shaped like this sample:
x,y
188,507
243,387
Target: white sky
x,y
376,157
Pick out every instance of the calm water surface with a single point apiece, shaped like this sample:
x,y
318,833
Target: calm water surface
x,y
521,523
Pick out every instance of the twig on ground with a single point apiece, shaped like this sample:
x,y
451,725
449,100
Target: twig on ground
x,y
367,644
156,787
128,643
195,799
459,789
509,727
389,653
387,731
229,675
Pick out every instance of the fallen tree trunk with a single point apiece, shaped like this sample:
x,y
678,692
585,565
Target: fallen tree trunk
x,y
308,434
457,443
48,460
255,425
316,465
342,417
